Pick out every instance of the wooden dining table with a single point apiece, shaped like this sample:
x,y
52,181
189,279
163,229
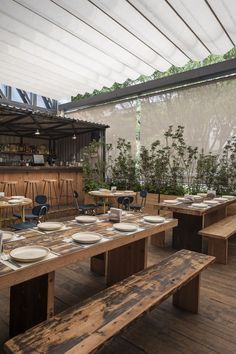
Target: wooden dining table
x,y
191,220
108,195
32,286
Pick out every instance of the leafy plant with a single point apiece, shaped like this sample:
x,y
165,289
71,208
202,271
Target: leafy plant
x,y
123,169
95,168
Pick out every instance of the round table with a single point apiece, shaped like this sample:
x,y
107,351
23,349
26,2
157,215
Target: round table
x,y
106,195
4,204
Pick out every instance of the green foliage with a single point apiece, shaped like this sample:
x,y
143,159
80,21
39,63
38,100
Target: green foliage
x,y
94,167
211,59
123,170
172,167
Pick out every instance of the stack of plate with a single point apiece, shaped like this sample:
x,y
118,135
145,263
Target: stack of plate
x,y
154,219
221,199
86,219
50,226
199,205
125,227
171,201
229,197
86,237
211,202
184,200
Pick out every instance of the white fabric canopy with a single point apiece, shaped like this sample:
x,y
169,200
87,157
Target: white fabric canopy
x,y
58,48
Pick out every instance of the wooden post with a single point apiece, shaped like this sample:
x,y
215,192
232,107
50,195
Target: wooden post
x,y
31,302
187,298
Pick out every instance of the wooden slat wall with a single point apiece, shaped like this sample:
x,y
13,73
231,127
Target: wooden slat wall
x,y
67,147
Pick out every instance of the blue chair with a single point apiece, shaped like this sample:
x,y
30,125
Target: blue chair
x,y
84,208
40,199
38,212
124,202
139,207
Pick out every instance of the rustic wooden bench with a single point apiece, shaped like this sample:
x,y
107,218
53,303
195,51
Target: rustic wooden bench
x,y
83,328
218,235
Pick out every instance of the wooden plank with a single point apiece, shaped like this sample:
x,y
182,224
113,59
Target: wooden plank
x,y
219,249
221,229
186,234
125,261
187,297
158,239
83,328
31,302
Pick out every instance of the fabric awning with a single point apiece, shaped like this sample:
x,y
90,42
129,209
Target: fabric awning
x,y
59,48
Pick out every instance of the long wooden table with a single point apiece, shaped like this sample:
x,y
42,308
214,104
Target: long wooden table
x,y
191,220
32,287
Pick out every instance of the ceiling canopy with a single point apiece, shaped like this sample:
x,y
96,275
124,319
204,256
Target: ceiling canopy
x,y
59,48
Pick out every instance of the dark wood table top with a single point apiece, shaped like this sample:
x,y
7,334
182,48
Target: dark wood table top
x,y
71,252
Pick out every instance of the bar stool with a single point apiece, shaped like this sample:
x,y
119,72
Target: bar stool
x,y
9,187
31,188
66,184
50,187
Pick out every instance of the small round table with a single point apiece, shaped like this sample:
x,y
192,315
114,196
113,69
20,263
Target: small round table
x,y
4,204
109,195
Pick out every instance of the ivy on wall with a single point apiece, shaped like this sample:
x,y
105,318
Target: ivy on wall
x,y
211,59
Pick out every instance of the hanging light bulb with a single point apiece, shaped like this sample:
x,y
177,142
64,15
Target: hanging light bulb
x,y
37,132
74,137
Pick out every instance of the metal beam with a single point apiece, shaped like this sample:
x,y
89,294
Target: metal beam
x,y
193,76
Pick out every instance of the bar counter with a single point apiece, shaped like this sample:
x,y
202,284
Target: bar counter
x,y
32,173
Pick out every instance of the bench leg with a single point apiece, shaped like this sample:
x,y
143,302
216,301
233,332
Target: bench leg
x,y
126,260
219,249
31,302
187,298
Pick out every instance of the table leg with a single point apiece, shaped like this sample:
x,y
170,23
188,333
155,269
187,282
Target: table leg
x,y
126,260
31,302
23,213
185,235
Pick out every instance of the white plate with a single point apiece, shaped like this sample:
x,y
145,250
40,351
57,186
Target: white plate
x,y
199,205
104,190
170,201
86,237
86,219
203,195
29,253
50,226
126,227
15,201
211,202
221,199
17,197
129,191
229,196
7,235
154,219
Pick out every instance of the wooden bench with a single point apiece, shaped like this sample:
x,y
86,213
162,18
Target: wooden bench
x,y
83,328
218,235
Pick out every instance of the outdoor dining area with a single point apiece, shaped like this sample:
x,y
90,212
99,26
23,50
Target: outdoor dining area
x,y
117,177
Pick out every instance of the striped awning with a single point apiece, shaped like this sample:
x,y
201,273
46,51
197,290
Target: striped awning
x,y
59,48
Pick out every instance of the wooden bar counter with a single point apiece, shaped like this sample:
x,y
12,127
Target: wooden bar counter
x,y
32,173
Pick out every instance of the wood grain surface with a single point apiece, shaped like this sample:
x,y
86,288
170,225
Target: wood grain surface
x,y
83,328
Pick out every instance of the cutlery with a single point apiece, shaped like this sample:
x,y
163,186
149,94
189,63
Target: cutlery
x,y
4,257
